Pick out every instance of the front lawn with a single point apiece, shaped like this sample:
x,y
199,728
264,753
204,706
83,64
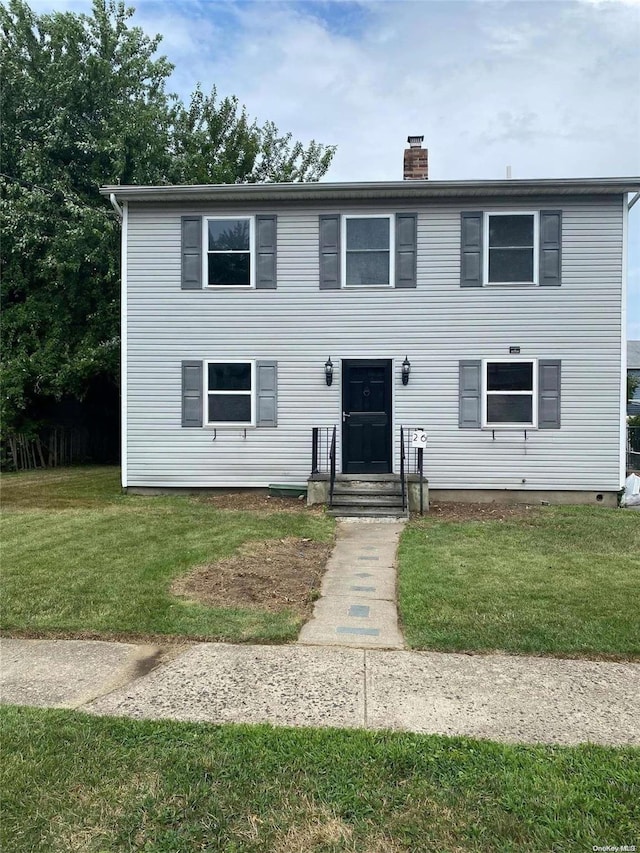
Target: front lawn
x,y
81,558
551,580
74,782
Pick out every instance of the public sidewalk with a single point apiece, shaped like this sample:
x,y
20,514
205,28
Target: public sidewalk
x,y
500,697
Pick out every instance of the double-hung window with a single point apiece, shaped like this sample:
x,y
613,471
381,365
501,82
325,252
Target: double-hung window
x,y
228,257
511,248
368,251
510,393
230,393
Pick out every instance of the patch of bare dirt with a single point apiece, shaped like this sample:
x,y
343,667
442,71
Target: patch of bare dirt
x,y
258,500
273,575
449,511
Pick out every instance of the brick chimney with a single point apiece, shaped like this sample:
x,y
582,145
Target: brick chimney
x,y
416,160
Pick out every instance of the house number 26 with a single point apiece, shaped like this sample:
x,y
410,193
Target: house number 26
x,y
418,438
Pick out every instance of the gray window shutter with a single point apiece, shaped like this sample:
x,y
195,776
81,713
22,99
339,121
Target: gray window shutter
x,y
266,252
469,392
191,253
267,393
550,247
471,249
330,252
191,393
406,249
549,373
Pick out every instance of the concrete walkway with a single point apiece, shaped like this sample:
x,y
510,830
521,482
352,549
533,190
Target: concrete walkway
x,y
357,607
348,669
501,697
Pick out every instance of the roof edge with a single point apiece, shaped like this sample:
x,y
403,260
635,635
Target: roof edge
x,y
377,189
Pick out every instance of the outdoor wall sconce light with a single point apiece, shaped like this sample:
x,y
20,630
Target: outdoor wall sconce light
x,y
406,370
328,371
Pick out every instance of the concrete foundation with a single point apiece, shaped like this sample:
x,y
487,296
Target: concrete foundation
x,y
318,493
157,491
524,496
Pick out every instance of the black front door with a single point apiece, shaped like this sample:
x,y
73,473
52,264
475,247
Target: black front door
x,y
366,416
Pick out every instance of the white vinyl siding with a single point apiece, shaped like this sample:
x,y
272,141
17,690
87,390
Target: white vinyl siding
x,y
436,324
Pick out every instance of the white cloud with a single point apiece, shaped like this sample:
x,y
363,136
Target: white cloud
x,y
549,88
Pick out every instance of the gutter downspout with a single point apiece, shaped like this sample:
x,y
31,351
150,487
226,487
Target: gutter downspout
x,y
633,201
118,209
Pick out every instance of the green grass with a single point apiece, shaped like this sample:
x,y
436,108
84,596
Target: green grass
x,y
72,782
561,581
81,557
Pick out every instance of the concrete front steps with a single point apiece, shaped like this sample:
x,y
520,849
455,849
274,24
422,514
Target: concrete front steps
x,y
367,496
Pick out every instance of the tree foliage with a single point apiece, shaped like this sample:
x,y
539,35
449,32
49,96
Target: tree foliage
x,y
85,103
215,142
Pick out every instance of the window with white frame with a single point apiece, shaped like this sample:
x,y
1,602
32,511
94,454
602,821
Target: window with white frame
x,y
367,248
511,248
228,257
510,393
230,393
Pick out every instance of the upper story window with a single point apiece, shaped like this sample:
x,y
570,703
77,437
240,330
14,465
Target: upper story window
x,y
368,251
229,256
230,393
511,248
510,393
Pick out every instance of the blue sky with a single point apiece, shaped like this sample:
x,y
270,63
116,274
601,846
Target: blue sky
x,y
550,88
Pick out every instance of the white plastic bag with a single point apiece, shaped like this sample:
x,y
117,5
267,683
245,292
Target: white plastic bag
x,y
631,496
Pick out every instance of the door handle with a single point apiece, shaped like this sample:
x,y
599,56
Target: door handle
x,y
345,415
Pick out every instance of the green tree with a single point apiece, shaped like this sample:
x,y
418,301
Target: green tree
x,y
84,103
215,142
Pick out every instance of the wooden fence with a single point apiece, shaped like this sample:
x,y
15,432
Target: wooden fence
x,y
52,447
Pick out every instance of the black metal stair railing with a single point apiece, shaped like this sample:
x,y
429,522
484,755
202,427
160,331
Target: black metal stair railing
x,y
332,465
323,454
402,475
320,449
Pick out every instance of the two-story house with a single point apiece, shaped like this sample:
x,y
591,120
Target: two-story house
x,y
489,313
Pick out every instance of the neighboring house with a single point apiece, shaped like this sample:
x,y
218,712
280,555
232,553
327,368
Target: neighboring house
x,y
501,300
633,369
